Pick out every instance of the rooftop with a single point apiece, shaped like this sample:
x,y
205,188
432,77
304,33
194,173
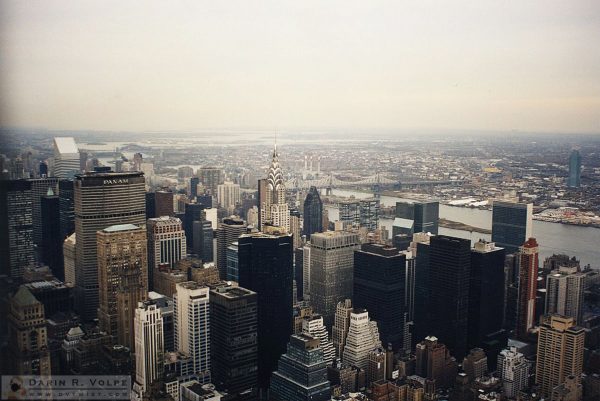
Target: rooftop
x,y
66,144
120,227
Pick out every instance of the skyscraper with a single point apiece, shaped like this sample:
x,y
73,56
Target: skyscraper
x,y
51,241
513,369
123,279
27,336
69,247
234,340
379,287
313,213
203,240
231,256
163,203
66,196
274,208
416,217
66,157
194,181
564,293
193,212
16,229
266,267
331,270
449,266
574,180
369,213
362,338
512,224
210,178
349,213
313,325
39,188
340,327
227,233
102,199
191,313
559,352
434,362
166,244
302,373
528,269
486,292
149,344
228,195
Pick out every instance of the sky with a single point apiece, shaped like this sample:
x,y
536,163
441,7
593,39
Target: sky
x,y
192,65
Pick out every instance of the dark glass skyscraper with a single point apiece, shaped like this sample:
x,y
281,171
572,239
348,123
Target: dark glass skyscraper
x,y
511,224
203,240
193,212
486,292
266,267
302,372
16,228
449,266
574,180
52,242
416,217
313,213
379,287
234,342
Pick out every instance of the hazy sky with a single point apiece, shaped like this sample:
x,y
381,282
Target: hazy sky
x,y
192,65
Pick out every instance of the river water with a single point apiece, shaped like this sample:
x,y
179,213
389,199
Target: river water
x,y
581,242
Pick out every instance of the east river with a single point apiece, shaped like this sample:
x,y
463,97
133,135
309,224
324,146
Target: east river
x,y
579,241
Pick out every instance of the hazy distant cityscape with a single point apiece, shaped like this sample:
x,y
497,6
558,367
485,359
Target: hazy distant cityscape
x,y
300,200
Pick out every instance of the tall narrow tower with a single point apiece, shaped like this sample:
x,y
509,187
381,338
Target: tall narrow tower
x,y
528,268
274,209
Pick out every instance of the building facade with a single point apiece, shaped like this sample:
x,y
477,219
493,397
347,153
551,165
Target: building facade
x,y
565,288
234,339
123,279
16,227
102,199
559,352
149,344
302,373
266,267
528,271
191,313
512,224
166,244
313,213
379,287
331,270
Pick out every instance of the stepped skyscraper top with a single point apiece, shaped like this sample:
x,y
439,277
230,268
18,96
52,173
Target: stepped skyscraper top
x,y
275,177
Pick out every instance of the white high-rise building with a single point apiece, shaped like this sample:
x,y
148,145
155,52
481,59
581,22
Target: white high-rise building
x,y
69,247
362,338
274,209
314,326
191,311
564,292
149,344
66,157
228,195
513,369
306,272
340,327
